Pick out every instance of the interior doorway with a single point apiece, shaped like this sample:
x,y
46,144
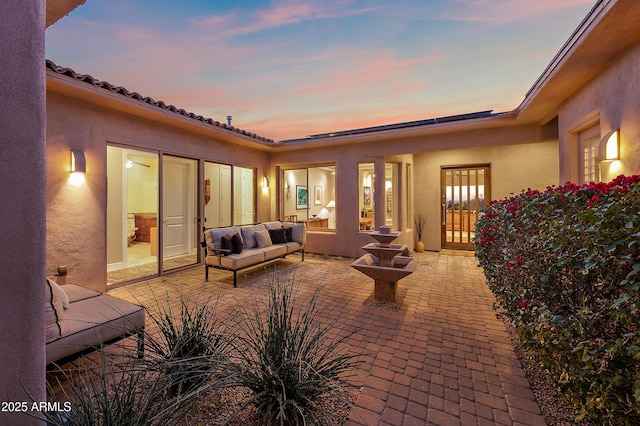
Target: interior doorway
x,y
132,213
463,193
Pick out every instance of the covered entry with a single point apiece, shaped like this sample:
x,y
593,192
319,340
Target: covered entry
x,y
463,193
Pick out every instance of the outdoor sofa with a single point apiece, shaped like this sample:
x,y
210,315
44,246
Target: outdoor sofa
x,y
236,248
79,320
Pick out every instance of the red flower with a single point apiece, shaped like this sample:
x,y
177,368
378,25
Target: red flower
x,y
523,304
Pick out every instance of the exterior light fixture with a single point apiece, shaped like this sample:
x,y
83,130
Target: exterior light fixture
x,y
78,162
609,148
265,182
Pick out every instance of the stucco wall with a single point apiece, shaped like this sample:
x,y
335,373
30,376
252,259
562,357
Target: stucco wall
x,y
612,98
513,168
76,215
22,206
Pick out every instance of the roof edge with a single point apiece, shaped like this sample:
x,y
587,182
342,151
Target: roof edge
x,y
161,105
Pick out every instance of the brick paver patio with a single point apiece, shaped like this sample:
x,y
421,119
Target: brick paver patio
x,y
439,357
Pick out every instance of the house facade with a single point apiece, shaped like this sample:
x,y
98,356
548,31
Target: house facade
x,y
156,175
153,175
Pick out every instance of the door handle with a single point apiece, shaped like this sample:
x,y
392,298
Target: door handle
x,y
444,214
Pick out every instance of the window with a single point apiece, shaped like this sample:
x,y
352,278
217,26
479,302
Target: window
x,y
243,196
217,195
589,165
366,181
391,198
308,195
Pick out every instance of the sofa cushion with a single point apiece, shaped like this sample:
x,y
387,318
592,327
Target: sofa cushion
x,y
226,244
76,293
214,237
53,312
237,243
262,238
92,321
248,257
293,246
289,233
278,236
298,233
274,251
248,235
272,225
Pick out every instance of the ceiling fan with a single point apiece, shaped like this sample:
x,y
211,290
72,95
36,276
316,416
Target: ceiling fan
x,y
130,163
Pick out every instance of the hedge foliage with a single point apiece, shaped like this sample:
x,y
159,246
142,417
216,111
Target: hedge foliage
x,y
564,265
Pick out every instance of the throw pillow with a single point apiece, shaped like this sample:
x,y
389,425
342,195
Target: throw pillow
x,y
53,312
262,238
237,243
63,296
278,236
226,243
289,233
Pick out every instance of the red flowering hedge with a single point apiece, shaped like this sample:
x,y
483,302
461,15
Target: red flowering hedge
x,y
564,265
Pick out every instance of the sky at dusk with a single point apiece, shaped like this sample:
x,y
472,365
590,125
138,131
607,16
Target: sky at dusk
x,y
287,69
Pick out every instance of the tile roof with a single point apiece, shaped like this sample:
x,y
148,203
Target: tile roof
x,y
86,78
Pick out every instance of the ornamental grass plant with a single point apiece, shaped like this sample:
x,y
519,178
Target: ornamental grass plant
x,y
564,266
192,345
112,394
287,358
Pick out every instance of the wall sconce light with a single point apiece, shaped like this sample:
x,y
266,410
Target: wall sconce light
x,y
78,162
265,182
609,148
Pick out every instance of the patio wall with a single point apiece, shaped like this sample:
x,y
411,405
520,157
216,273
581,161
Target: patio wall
x,y
513,168
76,215
612,99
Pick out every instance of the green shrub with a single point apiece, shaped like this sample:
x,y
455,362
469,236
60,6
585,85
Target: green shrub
x,y
287,359
191,347
564,266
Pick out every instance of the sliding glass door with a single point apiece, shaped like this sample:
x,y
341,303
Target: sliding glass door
x,y
132,214
180,212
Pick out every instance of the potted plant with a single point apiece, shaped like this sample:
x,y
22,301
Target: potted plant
x,y
420,222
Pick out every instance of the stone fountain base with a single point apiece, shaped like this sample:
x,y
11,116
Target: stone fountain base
x,y
385,277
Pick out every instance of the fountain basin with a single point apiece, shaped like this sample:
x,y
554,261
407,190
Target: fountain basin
x,y
384,254
385,277
384,239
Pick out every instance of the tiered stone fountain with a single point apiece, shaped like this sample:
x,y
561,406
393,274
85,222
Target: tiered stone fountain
x,y
384,264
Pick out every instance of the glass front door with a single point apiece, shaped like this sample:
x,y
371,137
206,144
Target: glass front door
x,y
463,194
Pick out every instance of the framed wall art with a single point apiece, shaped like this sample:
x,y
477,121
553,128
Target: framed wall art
x,y
317,195
302,197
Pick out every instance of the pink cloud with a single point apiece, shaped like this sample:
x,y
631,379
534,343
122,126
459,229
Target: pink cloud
x,y
500,11
281,13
